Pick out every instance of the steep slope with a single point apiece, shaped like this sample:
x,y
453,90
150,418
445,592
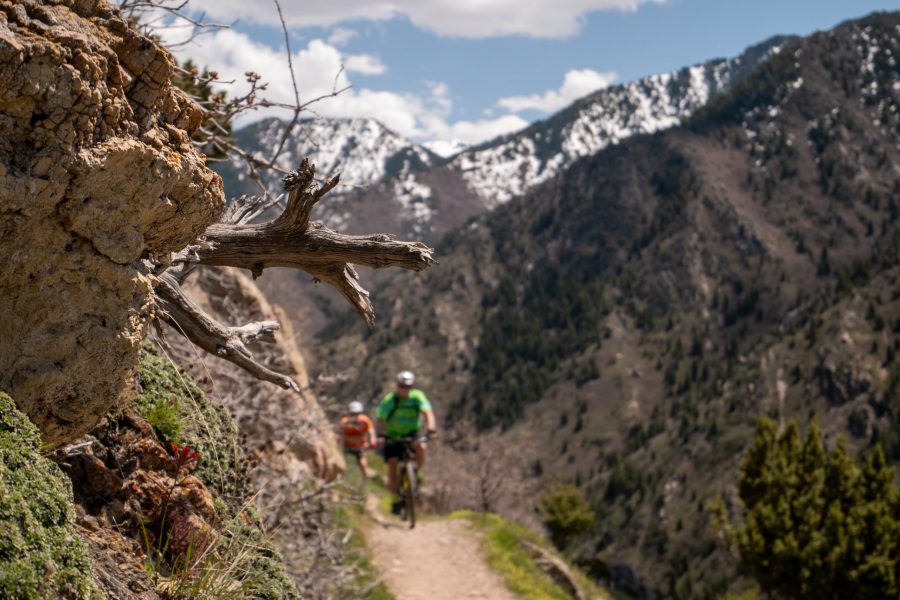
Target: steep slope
x,y
287,433
501,169
629,318
415,194
431,195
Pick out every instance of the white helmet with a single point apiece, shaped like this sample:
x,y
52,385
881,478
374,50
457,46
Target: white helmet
x,y
355,407
405,378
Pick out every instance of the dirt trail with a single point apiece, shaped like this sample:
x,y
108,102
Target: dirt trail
x,y
438,560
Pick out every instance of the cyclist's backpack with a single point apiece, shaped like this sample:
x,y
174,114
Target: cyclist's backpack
x,y
394,407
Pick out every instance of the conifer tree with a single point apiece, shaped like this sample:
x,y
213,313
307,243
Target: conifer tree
x,y
817,523
565,512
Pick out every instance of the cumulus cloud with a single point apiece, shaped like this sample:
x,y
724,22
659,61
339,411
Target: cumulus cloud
x,y
473,132
576,83
340,36
471,18
422,117
364,64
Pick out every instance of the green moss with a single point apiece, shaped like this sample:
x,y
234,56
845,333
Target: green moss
x,y
166,420
246,551
41,556
193,420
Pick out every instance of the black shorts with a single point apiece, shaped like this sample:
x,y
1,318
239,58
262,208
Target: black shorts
x,y
393,449
357,452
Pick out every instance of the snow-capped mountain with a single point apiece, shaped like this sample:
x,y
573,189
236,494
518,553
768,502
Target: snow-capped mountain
x,y
504,168
413,193
363,151
397,185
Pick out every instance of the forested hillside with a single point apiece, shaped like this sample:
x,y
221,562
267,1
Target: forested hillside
x,y
629,319
398,186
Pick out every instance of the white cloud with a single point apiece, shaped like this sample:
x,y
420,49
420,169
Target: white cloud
x,y
364,64
473,132
318,69
462,18
340,36
576,84
446,148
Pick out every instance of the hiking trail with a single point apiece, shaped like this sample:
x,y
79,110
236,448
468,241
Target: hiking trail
x,y
438,560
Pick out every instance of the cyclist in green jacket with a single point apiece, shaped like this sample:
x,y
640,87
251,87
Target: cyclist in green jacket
x,y
399,416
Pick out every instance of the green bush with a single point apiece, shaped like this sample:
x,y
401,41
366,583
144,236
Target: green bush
x,y
817,523
41,556
565,512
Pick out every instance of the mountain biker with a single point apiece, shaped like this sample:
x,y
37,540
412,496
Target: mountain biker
x,y
358,434
399,416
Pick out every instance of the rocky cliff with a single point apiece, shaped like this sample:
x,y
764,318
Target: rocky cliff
x,y
96,171
287,434
152,494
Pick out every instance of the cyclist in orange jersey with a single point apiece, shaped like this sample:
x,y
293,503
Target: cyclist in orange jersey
x,y
358,434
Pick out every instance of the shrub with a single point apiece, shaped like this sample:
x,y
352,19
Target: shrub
x,y
565,513
818,524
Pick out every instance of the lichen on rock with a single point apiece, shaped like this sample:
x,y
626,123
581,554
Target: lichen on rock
x,y
211,430
96,172
41,555
208,428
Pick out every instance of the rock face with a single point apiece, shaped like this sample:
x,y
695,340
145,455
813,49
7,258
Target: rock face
x,y
96,172
269,416
125,476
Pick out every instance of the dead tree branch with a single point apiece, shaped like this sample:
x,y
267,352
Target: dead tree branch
x,y
229,343
293,241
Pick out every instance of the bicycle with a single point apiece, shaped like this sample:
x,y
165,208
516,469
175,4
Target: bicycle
x,y
406,470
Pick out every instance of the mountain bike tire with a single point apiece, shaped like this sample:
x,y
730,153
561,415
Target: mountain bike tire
x,y
409,496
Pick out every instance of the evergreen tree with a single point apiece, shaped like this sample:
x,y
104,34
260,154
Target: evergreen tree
x,y
565,512
817,523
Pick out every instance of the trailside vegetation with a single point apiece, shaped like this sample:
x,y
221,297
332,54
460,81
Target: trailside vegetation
x,y
565,512
817,523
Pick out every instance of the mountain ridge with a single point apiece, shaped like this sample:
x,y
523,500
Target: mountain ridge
x,y
427,200
597,119
626,321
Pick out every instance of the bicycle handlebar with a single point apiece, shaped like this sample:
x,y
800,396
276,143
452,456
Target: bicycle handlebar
x,y
408,439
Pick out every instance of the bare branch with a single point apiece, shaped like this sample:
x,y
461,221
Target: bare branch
x,y
246,208
291,240
226,342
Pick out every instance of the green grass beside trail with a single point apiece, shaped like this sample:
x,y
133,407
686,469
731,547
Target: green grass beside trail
x,y
507,556
352,516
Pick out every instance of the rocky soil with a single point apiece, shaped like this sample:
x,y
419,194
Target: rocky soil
x,y
96,172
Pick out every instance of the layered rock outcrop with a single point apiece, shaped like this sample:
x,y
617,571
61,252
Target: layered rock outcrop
x,y
96,172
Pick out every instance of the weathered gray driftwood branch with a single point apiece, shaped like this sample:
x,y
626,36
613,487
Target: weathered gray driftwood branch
x,y
291,240
226,342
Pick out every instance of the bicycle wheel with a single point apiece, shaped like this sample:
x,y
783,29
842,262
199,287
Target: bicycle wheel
x,y
409,474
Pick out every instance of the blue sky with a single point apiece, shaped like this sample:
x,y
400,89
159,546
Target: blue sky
x,y
441,69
